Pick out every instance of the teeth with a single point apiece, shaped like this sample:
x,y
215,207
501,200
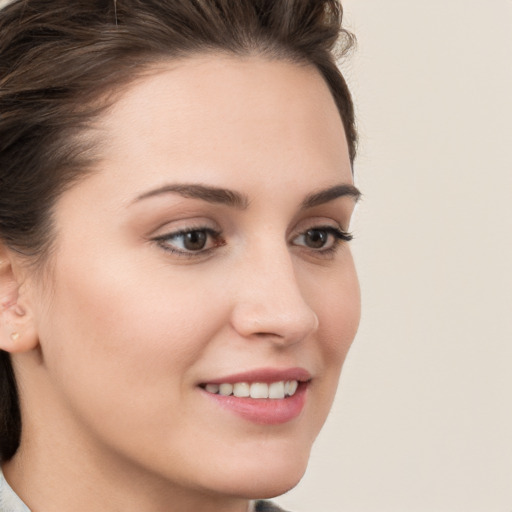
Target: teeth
x,y
259,390
212,388
292,387
274,390
226,389
241,389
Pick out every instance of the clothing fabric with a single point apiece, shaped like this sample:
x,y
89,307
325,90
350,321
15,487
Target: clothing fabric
x,y
10,501
267,506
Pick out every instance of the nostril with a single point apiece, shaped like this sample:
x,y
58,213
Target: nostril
x,y
266,334
273,308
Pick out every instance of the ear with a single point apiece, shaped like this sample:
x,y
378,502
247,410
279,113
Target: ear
x,y
17,330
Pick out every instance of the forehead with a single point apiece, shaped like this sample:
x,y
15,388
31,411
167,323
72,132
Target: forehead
x,y
209,81
226,112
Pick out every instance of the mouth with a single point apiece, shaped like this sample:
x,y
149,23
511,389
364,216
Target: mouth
x,y
263,396
257,390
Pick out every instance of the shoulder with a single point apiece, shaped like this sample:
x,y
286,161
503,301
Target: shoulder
x,y
267,506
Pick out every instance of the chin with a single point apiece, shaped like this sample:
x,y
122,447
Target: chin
x,y
265,487
266,476
281,485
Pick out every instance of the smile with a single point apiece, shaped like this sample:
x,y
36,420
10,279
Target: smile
x,y
263,396
259,390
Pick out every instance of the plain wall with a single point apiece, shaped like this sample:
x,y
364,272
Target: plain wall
x,y
423,418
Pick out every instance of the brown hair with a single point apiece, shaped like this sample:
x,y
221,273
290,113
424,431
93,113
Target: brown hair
x,y
58,58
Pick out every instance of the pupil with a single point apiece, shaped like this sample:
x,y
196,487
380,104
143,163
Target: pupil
x,y
316,238
195,240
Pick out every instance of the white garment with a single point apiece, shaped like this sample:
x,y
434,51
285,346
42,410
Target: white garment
x,y
9,500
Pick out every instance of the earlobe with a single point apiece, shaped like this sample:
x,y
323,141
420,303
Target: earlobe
x,y
17,332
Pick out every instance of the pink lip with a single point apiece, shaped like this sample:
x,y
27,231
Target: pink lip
x,y
265,375
265,411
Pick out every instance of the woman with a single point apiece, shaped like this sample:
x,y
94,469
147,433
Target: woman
x,y
177,292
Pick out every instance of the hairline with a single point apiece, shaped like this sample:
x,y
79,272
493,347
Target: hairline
x,y
99,101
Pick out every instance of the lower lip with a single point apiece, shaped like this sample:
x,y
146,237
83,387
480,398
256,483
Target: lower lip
x,y
265,411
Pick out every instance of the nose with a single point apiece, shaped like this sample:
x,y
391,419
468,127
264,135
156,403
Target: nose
x,y
269,302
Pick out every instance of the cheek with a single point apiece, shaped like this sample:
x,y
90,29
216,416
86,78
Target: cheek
x,y
338,308
341,317
117,332
120,348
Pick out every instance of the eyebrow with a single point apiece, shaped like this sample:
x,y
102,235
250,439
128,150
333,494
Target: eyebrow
x,y
206,193
241,202
330,194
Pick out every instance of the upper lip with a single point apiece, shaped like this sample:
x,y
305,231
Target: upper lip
x,y
264,375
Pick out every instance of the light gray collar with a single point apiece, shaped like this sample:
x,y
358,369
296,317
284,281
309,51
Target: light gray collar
x,y
9,500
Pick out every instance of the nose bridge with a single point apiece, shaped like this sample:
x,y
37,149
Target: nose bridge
x,y
269,300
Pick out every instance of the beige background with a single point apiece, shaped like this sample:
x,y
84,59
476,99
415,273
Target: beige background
x,y
423,421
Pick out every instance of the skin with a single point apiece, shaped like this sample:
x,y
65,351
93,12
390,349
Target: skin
x,y
114,343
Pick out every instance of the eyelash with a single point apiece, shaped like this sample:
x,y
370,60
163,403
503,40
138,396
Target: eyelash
x,y
163,241
339,235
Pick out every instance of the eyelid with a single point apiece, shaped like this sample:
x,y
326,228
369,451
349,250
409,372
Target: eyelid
x,y
327,222
163,241
341,237
183,224
336,237
336,231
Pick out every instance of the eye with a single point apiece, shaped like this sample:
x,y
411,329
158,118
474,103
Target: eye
x,y
322,238
189,242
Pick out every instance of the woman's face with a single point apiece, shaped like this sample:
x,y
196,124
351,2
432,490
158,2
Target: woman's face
x,y
206,256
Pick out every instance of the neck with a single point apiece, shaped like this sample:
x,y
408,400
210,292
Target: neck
x,y
56,473
52,486
60,465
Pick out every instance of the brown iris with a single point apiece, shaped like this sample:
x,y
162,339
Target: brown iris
x,y
194,240
315,238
